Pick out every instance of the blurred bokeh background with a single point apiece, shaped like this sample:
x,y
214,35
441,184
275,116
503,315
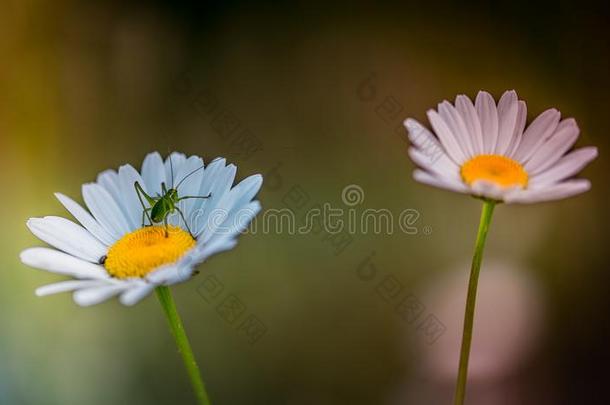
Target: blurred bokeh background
x,y
312,96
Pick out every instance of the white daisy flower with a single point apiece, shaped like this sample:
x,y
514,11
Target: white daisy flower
x,y
485,150
118,249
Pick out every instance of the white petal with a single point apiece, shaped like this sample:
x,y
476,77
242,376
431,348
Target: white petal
x,y
65,286
243,192
61,263
83,216
236,198
536,133
239,219
552,150
456,124
424,140
198,215
447,138
135,294
508,109
471,120
153,173
553,192
173,164
128,176
217,245
429,179
217,183
566,167
488,116
94,295
109,179
488,189
519,127
193,168
105,210
171,274
225,235
442,167
68,236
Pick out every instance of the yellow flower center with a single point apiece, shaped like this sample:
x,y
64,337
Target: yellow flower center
x,y
141,251
498,169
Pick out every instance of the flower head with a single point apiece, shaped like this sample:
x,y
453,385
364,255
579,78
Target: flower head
x,y
132,240
486,150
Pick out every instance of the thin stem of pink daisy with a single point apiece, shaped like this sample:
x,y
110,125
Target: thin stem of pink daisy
x,y
182,341
486,214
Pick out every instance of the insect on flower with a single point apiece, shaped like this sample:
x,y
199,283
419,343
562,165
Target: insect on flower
x,y
165,204
108,252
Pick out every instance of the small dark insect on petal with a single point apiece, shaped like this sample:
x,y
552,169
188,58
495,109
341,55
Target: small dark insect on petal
x,y
102,259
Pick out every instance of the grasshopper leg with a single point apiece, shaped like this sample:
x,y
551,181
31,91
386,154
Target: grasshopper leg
x,y
185,223
151,202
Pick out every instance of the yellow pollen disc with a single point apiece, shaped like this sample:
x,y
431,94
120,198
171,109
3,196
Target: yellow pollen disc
x,y
139,252
501,170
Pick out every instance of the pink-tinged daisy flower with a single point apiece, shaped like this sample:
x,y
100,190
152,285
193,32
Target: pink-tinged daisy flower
x,y
486,150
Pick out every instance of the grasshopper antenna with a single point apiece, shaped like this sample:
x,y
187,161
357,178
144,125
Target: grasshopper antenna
x,y
187,176
171,169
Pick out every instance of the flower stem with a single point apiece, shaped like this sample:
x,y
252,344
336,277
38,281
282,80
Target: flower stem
x,y
182,341
486,213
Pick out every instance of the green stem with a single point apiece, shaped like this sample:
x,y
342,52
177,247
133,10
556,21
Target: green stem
x,y
182,341
486,213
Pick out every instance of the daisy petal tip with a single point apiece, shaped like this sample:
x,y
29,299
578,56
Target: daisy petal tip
x,y
153,154
42,291
418,174
126,168
484,94
256,206
462,98
26,255
81,302
127,302
92,296
552,111
131,298
258,179
412,126
23,256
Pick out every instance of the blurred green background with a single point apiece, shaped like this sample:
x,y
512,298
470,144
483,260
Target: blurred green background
x,y
312,96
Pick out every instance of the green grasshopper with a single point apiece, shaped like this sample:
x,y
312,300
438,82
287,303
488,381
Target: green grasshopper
x,y
165,204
